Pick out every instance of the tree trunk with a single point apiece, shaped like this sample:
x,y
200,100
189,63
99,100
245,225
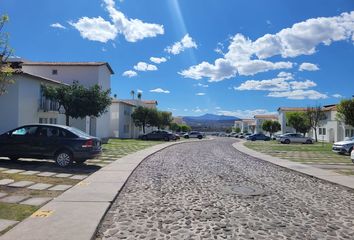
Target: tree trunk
x,y
315,134
67,120
144,128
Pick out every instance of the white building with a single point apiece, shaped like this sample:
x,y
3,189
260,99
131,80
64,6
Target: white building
x,y
23,103
246,125
330,130
87,74
260,119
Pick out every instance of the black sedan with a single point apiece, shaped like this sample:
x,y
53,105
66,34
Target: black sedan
x,y
159,135
46,141
258,136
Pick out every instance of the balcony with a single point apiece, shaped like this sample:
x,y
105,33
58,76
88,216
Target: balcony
x,y
47,105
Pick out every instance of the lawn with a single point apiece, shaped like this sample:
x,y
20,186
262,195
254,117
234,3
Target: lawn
x,y
318,153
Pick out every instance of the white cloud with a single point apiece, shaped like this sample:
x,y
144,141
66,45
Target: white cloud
x,y
139,91
98,29
130,74
143,66
200,94
178,47
158,60
308,67
299,95
244,114
159,90
275,84
337,95
95,29
222,69
286,75
202,85
297,85
57,25
199,110
246,57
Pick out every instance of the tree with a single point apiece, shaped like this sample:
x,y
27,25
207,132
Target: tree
x,y
139,95
345,111
185,128
315,116
228,130
271,126
78,101
132,93
164,119
175,127
141,116
298,121
5,51
237,130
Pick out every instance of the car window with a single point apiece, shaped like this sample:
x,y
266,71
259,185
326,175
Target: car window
x,y
25,131
66,134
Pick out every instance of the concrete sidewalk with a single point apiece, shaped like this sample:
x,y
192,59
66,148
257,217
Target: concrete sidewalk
x,y
77,213
327,175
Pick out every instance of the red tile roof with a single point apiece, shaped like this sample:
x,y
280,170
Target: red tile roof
x,y
29,63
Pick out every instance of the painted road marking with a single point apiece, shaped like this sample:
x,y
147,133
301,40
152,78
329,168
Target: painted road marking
x,y
42,213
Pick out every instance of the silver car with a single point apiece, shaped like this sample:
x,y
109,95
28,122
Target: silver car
x,y
344,147
294,138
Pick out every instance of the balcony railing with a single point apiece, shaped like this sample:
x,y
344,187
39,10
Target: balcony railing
x,y
48,105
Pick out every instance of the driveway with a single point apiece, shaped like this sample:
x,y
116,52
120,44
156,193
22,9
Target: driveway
x,y
208,190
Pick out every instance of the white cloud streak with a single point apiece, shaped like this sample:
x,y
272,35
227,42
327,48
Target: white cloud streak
x,y
57,25
308,67
180,46
130,74
158,60
143,66
159,90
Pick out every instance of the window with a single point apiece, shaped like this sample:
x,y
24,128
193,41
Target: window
x,y
349,132
53,121
28,131
322,131
43,120
54,72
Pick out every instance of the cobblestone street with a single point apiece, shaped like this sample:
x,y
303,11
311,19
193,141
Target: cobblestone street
x,y
209,190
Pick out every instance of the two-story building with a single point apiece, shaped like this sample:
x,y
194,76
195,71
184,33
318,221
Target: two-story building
x,y
246,125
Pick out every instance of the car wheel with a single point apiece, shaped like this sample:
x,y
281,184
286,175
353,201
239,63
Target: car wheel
x,y
14,158
63,158
200,137
308,142
80,161
186,137
287,141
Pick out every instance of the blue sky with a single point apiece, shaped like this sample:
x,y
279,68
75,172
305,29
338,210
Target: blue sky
x,y
218,56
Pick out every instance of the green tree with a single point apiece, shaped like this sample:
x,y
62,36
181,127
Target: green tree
x,y
345,111
185,128
139,95
298,121
271,127
228,130
141,116
5,51
315,116
237,130
175,127
78,101
164,119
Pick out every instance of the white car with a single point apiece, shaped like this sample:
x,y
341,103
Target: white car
x,y
344,147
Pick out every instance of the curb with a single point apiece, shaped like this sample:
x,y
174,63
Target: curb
x,y
77,213
327,175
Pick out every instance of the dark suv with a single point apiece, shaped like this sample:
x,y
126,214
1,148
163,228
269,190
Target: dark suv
x,y
46,141
159,135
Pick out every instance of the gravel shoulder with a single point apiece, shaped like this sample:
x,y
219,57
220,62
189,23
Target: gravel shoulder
x,y
209,190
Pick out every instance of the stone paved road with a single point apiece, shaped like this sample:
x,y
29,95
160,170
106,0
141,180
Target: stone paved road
x,y
208,190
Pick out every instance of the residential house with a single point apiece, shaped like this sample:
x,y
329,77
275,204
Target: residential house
x,y
260,119
24,103
87,74
330,130
246,125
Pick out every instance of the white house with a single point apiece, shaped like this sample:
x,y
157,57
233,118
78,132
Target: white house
x,y
246,125
260,119
23,103
87,74
330,130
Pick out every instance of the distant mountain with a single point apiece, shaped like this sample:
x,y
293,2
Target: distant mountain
x,y
210,122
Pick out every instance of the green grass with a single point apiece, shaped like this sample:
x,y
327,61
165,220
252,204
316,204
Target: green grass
x,y
119,147
16,212
318,153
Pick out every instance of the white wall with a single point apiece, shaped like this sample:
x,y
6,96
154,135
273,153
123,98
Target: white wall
x,y
9,104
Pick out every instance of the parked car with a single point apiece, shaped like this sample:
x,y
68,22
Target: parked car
x,y
159,135
233,134
294,138
352,156
344,147
245,135
193,134
48,141
258,136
